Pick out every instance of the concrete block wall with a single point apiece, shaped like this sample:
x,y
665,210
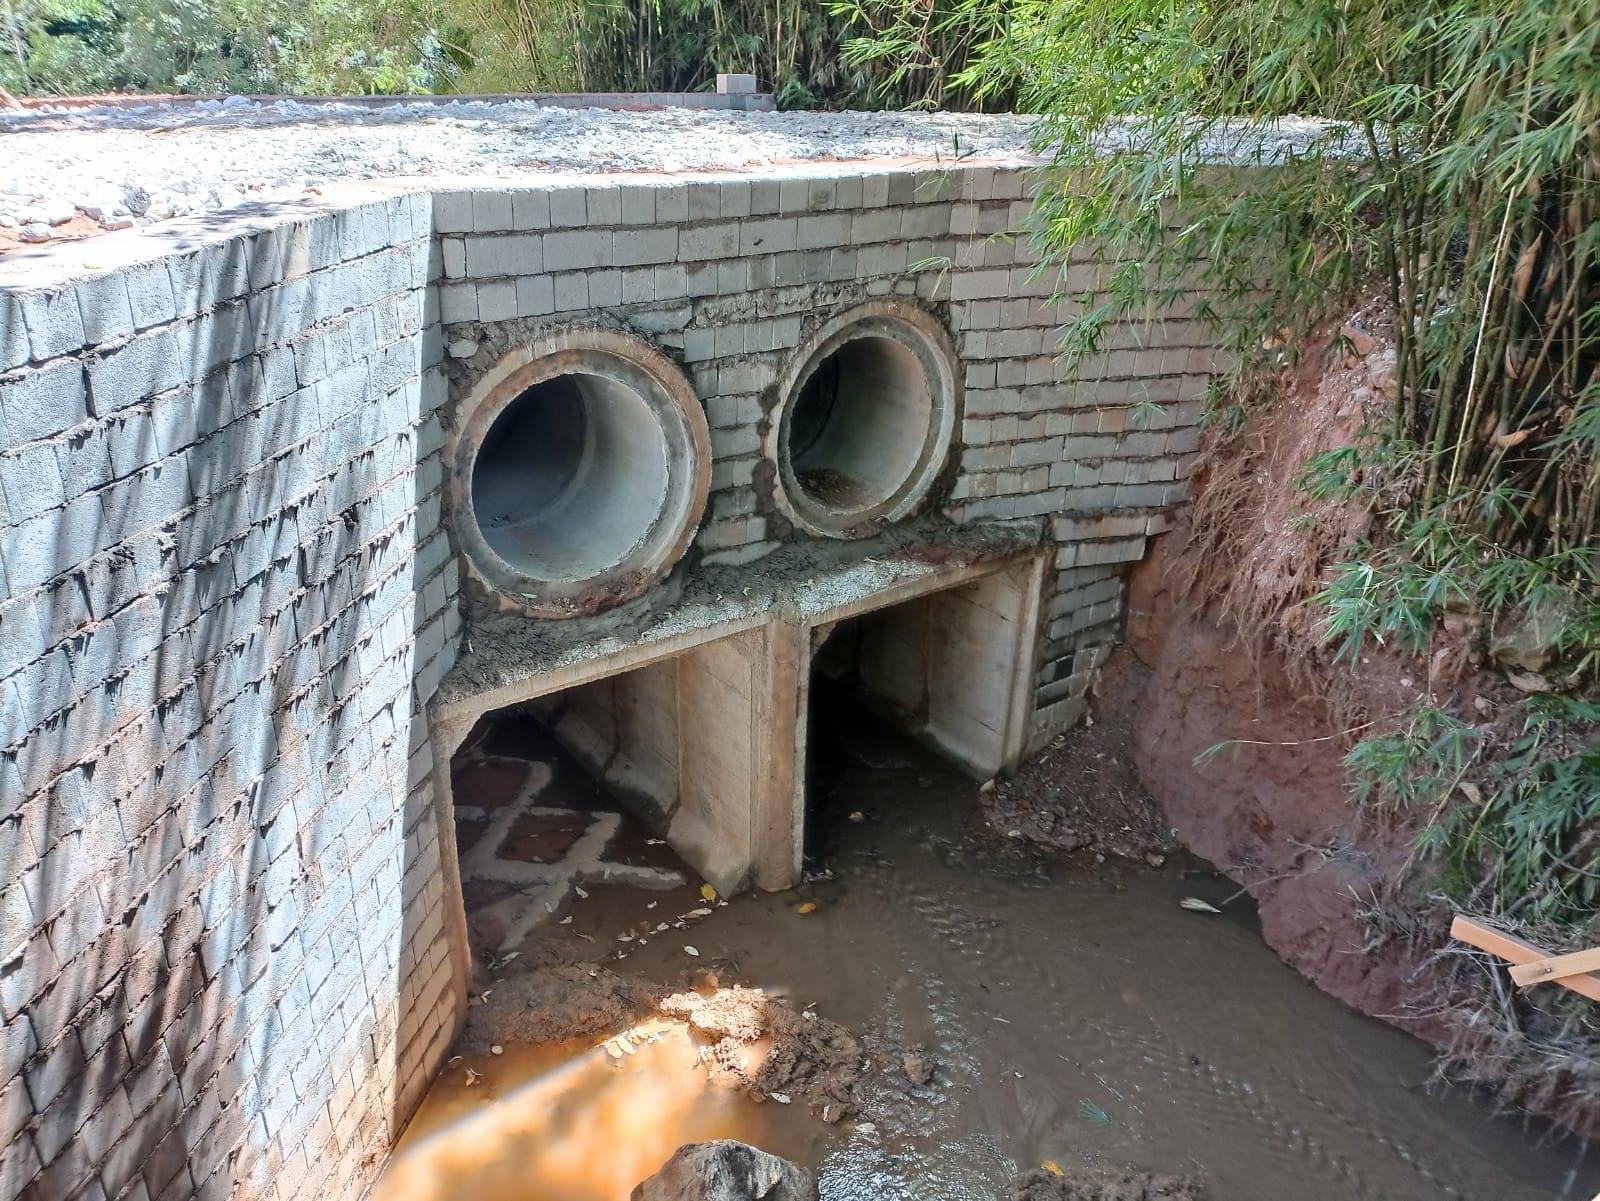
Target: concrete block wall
x,y
730,274
231,946
224,599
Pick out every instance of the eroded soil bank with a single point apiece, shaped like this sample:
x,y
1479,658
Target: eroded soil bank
x,y
1011,1007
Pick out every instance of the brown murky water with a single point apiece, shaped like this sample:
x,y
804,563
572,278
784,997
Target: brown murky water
x,y
1075,1013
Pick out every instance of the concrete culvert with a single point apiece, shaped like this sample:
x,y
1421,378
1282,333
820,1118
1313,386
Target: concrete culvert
x,y
581,473
867,420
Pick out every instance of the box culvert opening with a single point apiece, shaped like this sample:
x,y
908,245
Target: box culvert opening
x,y
541,814
581,468
867,420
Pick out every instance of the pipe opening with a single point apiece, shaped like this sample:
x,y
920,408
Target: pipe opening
x,y
571,477
866,424
580,468
859,424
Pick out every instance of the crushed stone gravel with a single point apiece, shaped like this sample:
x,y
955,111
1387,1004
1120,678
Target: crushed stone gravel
x,y
122,165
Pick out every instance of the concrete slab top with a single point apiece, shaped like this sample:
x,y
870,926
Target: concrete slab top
x,y
808,583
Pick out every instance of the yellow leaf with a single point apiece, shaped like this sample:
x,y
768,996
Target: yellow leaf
x,y
708,892
808,907
1052,1167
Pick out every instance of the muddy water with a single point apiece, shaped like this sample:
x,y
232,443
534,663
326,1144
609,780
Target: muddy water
x,y
1074,1012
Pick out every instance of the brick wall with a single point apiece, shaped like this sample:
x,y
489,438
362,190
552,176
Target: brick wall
x,y
223,599
230,945
731,274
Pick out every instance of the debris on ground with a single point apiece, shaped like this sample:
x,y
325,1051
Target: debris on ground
x,y
727,1170
806,1058
1083,1183
554,1004
1082,793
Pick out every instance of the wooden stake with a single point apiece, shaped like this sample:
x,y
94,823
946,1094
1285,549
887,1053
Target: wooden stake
x,y
1557,967
1520,953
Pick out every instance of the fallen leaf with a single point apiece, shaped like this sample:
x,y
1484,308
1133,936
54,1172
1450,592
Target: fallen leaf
x,y
699,913
613,1049
695,951
808,907
1052,1167
1196,905
781,1098
708,892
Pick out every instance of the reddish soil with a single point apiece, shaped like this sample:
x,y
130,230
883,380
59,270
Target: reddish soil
x,y
1272,810
1237,722
78,228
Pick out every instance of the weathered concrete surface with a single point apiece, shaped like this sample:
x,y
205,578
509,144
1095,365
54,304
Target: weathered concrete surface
x,y
232,949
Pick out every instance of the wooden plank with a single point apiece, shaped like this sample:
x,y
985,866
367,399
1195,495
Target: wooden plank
x,y
1557,967
1509,947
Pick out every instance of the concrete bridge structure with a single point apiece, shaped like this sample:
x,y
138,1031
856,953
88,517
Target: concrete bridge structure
x,y
294,496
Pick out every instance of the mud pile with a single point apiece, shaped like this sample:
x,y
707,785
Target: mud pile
x,y
1103,1184
808,1058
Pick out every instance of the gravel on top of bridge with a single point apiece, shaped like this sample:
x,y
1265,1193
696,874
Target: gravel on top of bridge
x,y
70,171
133,165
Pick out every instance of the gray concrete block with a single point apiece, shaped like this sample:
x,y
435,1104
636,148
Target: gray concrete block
x,y
14,351
577,249
53,322
452,212
150,298
104,307
30,483
771,236
568,208
644,247
491,212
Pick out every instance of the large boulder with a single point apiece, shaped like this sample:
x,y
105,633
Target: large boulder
x,y
727,1170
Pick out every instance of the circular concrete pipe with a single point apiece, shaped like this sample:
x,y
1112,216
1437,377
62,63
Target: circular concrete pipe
x,y
581,468
864,428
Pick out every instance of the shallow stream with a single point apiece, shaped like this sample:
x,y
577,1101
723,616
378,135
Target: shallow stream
x,y
1073,1012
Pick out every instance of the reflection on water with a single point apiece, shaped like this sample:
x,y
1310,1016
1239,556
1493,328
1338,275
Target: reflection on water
x,y
565,1123
1074,1013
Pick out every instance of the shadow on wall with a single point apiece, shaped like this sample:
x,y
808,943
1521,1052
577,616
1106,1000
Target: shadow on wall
x,y
225,584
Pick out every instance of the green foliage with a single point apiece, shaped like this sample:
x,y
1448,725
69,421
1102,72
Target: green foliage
x,y
1456,167
798,49
1513,822
219,46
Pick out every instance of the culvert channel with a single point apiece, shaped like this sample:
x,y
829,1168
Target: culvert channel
x,y
581,473
1023,1009
867,417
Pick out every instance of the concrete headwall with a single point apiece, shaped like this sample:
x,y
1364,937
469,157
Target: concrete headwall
x,y
231,946
731,275
224,603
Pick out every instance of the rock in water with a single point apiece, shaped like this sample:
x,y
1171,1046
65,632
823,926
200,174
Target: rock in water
x,y
727,1170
